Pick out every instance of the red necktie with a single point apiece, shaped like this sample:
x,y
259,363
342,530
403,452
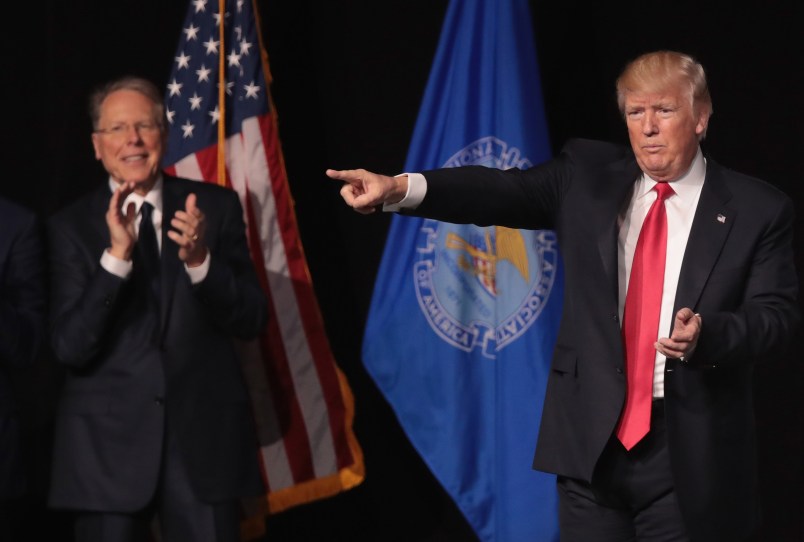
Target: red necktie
x,y
643,302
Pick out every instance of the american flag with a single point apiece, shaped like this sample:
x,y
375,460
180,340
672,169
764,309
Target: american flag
x,y
224,130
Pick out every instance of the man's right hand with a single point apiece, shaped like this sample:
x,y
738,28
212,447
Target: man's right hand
x,y
364,191
121,223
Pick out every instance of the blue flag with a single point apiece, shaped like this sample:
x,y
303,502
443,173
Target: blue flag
x,y
463,319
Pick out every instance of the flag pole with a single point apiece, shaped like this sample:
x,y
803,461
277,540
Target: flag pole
x,y
222,98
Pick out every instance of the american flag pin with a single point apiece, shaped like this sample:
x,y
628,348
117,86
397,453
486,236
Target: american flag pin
x,y
721,219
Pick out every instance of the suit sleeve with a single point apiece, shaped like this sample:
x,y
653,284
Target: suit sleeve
x,y
84,295
767,316
231,293
528,199
22,294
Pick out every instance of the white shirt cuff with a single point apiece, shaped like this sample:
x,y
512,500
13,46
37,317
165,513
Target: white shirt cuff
x,y
417,188
116,266
122,268
197,274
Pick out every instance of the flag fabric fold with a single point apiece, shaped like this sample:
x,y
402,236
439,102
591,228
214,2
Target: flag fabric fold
x,y
223,129
463,319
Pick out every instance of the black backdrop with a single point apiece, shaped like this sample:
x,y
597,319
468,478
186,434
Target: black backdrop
x,y
348,76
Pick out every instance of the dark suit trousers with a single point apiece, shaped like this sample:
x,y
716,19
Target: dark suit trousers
x,y
175,512
631,497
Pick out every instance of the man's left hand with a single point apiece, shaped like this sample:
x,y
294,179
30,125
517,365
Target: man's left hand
x,y
684,339
188,232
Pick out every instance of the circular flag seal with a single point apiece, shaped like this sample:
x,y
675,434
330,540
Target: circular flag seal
x,y
482,288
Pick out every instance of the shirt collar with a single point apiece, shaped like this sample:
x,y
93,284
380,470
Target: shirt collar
x,y
685,186
154,195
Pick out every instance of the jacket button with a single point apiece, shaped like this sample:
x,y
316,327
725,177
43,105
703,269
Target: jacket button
x,y
619,370
159,400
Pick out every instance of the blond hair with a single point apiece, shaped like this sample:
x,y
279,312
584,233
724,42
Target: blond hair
x,y
661,70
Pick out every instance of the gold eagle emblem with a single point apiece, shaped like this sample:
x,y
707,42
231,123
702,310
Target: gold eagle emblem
x,y
510,246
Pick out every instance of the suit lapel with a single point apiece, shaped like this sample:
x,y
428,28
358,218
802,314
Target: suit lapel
x,y
613,194
710,228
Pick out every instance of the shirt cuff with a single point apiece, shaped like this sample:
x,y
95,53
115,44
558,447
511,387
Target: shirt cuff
x,y
116,266
417,188
197,274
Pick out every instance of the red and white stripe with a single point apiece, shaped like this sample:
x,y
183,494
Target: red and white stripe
x,y
302,404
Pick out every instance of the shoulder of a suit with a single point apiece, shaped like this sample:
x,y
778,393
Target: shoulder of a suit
x,y
13,212
740,183
185,186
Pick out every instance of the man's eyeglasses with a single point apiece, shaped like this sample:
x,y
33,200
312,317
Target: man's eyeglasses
x,y
121,130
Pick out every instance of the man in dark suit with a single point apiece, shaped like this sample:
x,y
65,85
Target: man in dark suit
x,y
666,453
22,308
152,283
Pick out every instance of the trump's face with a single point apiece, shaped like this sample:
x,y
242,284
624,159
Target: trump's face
x,y
130,139
664,131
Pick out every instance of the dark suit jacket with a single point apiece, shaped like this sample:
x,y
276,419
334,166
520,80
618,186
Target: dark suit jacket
x,y
131,376
22,307
737,272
